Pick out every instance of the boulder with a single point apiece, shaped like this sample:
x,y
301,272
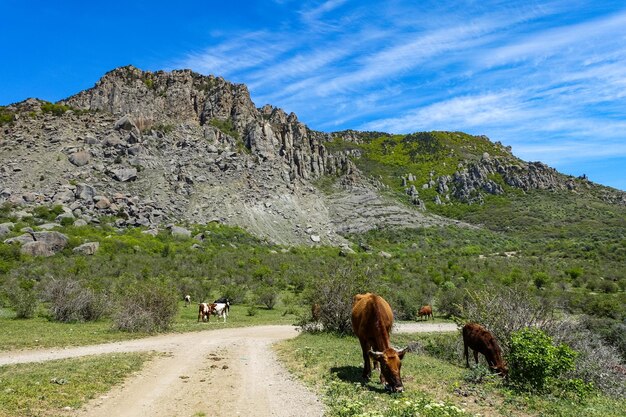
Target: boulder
x,y
80,158
5,228
64,196
124,174
62,216
125,123
112,140
315,238
49,226
21,239
85,192
36,248
88,248
55,240
102,202
178,231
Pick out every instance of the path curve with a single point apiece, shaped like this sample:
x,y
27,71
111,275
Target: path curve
x,y
226,372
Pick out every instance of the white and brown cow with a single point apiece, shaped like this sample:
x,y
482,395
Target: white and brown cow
x,y
220,309
204,311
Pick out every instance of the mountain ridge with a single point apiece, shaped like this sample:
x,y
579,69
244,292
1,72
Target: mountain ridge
x,y
151,148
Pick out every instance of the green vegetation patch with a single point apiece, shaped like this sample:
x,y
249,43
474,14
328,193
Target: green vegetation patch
x,y
6,116
225,126
436,382
52,388
55,109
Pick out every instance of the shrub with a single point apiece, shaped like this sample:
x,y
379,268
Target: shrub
x,y
267,296
147,306
541,280
535,362
450,301
55,109
334,293
22,297
597,362
70,301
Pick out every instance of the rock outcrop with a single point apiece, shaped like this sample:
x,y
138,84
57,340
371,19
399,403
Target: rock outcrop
x,y
157,148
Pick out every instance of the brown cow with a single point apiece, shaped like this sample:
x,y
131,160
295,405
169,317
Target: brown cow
x,y
480,340
316,312
371,321
204,311
425,311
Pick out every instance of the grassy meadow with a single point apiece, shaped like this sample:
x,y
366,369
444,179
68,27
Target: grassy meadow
x,y
435,379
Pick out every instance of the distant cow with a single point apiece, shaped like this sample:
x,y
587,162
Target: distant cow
x,y
372,319
204,311
316,312
220,309
224,300
425,311
187,300
480,340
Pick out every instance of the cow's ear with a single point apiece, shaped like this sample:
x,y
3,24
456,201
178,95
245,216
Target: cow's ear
x,y
377,356
402,352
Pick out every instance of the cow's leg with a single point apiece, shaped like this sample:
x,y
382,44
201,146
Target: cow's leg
x,y
476,356
466,353
367,366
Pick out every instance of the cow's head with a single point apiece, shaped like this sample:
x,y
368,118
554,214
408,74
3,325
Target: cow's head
x,y
501,370
390,363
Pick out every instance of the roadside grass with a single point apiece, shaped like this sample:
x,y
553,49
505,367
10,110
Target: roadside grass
x,y
39,332
55,388
332,366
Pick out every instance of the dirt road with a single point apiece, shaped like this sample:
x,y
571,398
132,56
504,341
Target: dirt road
x,y
228,372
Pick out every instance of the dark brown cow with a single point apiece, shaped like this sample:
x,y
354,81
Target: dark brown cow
x,y
371,321
480,340
425,311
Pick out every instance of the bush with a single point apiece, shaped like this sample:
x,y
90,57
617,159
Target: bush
x,y
450,301
597,362
147,306
22,297
334,295
535,362
55,109
70,301
267,296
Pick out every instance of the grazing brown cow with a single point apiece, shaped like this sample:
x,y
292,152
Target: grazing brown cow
x,y
316,312
425,311
371,321
480,340
204,311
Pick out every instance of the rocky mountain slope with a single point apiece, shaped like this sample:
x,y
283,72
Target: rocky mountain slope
x,y
152,148
157,148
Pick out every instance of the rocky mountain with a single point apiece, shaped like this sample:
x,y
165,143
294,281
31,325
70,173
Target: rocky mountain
x,y
152,148
158,148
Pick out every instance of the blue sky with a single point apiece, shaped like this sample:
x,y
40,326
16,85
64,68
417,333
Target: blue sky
x,y
547,78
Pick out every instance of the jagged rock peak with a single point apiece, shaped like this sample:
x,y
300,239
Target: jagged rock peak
x,y
176,96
